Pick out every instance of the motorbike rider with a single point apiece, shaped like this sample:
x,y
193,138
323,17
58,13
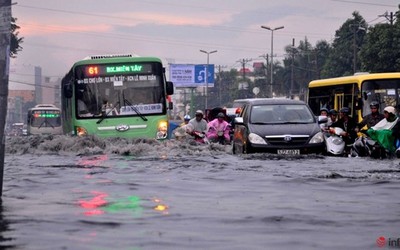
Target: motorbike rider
x,y
382,132
323,112
348,125
198,124
396,135
371,119
186,120
332,117
219,130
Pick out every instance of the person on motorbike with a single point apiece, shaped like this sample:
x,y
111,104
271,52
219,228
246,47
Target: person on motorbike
x,y
371,119
332,117
183,129
383,132
199,125
323,112
186,120
348,125
219,130
396,135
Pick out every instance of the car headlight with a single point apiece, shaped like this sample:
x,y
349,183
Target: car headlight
x,y
317,138
256,139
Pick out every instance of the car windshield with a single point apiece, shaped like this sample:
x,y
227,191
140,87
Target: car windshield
x,y
281,114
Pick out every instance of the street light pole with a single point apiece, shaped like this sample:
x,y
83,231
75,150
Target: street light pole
x,y
272,51
206,75
357,27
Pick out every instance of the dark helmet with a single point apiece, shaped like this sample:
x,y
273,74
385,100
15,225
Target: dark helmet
x,y
324,109
345,110
333,112
374,104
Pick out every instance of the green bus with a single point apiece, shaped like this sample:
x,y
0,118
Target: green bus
x,y
116,96
355,92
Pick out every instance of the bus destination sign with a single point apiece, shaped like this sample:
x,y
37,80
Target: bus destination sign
x,y
107,69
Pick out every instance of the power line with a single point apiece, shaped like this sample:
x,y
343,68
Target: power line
x,y
358,2
36,85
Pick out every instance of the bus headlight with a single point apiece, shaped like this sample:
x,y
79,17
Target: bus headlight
x,y
81,131
162,130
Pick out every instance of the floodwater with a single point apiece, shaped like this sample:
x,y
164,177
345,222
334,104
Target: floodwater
x,y
88,193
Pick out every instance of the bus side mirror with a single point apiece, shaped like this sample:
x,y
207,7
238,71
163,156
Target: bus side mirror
x,y
170,105
67,89
170,88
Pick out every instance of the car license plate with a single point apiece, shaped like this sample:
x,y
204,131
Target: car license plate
x,y
289,151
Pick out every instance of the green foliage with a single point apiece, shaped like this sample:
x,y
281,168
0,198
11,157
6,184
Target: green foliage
x,y
342,59
15,41
381,51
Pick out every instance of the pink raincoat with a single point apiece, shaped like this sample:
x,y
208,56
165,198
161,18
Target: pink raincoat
x,y
216,128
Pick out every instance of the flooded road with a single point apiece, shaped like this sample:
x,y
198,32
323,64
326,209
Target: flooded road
x,y
88,193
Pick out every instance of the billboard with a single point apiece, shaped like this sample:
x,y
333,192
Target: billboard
x,y
191,75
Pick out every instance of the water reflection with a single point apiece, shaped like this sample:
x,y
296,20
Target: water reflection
x,y
6,242
92,206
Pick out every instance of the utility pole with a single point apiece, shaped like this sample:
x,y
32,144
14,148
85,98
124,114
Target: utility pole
x,y
219,84
5,35
243,63
265,56
292,72
243,85
390,17
356,28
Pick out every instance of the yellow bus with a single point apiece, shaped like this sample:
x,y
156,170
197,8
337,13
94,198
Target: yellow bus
x,y
355,92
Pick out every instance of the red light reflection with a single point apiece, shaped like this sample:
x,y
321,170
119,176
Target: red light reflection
x,y
93,161
92,205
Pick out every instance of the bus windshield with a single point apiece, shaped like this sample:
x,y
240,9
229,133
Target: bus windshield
x,y
45,118
384,91
123,91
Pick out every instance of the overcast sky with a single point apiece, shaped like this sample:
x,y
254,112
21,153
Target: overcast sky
x,y
57,32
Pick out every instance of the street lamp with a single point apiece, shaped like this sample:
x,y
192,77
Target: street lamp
x,y
206,74
272,50
357,27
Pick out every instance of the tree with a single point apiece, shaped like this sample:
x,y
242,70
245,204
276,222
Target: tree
x,y
381,51
15,41
348,39
301,64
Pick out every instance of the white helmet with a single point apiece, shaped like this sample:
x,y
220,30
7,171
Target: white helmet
x,y
186,117
390,109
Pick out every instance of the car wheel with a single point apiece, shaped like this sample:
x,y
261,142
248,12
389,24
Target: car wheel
x,y
247,149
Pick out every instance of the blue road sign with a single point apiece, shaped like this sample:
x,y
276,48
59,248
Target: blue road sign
x,y
200,72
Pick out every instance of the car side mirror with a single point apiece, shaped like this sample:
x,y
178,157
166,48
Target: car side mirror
x,y
239,120
322,119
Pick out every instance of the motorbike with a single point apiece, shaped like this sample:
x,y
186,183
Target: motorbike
x,y
186,132
219,136
335,145
365,146
200,137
